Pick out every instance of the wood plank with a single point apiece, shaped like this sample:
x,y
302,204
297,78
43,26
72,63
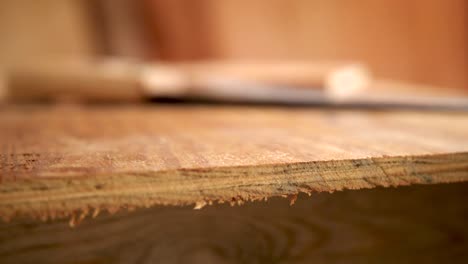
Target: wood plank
x,y
369,226
59,161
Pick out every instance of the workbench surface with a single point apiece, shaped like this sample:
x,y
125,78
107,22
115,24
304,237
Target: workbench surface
x,y
60,160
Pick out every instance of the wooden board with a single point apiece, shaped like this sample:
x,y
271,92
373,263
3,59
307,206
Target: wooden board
x,y
59,161
416,224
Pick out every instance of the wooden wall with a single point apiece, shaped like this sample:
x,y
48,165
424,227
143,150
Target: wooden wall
x,y
422,41
29,29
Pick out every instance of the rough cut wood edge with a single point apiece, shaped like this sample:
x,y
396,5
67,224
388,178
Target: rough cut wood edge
x,y
76,197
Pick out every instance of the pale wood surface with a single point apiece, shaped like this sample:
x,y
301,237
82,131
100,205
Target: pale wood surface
x,y
417,224
56,161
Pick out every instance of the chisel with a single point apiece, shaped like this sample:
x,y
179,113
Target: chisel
x,y
117,80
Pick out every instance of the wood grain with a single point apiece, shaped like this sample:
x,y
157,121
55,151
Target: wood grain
x,y
60,161
417,224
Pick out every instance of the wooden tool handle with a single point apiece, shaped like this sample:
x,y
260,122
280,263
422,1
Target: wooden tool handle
x,y
106,80
113,80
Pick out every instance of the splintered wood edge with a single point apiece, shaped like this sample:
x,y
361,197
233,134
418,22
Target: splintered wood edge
x,y
76,197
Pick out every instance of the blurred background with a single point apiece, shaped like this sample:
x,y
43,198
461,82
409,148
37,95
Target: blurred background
x,y
420,41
